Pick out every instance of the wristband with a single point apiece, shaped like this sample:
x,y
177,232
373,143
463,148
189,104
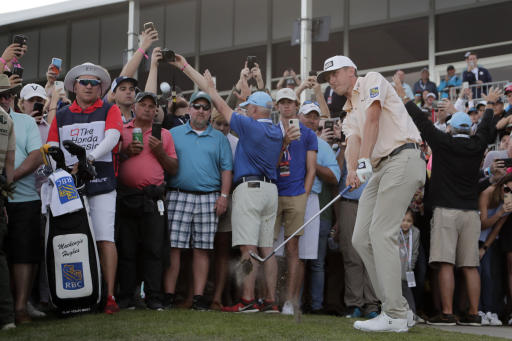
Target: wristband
x,y
3,61
224,195
184,66
143,53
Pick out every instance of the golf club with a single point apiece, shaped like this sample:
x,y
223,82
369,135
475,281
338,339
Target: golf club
x,y
263,260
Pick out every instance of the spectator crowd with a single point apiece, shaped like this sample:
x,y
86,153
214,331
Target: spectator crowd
x,y
188,187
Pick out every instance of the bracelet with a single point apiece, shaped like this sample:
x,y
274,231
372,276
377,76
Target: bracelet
x,y
223,195
184,66
3,61
143,53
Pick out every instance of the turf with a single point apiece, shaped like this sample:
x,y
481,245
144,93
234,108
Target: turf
x,y
191,325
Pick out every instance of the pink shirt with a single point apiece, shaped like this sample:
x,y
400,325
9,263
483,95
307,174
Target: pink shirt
x,y
143,169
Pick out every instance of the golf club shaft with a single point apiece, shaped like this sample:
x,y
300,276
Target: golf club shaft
x,y
309,221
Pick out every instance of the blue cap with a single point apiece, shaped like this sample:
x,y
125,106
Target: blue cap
x,y
460,120
259,98
121,79
200,94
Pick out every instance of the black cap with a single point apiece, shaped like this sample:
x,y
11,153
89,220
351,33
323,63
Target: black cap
x,y
141,95
121,79
450,67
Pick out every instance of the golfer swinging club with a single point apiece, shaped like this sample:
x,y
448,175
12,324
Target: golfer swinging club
x,y
383,149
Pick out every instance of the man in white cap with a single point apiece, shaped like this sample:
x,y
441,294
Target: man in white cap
x,y
382,137
30,95
95,125
297,167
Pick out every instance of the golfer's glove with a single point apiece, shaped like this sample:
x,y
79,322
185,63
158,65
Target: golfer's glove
x,y
364,170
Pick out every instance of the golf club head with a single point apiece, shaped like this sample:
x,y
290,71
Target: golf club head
x,y
74,149
57,154
255,256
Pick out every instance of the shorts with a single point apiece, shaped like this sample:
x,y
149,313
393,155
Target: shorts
x,y
225,219
454,237
24,241
102,210
254,213
192,219
290,214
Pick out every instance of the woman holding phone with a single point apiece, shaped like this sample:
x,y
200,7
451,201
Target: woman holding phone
x,y
495,204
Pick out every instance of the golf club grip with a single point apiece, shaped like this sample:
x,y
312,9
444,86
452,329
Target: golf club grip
x,y
312,218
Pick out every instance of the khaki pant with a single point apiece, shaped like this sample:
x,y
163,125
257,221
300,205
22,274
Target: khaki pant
x,y
381,209
358,288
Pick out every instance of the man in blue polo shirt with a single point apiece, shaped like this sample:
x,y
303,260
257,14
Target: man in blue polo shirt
x,y
197,195
297,167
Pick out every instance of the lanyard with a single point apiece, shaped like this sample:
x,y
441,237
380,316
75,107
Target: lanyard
x,y
408,247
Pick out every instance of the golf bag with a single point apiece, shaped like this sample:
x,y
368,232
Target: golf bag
x,y
72,262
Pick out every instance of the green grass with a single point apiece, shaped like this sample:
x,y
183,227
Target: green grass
x,y
191,325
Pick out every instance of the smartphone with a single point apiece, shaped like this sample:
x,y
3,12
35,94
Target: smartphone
x,y
465,85
507,162
328,124
59,86
251,60
294,122
156,130
507,198
168,55
20,39
435,104
39,108
56,65
18,70
149,25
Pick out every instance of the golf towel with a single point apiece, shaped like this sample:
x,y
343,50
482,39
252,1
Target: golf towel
x,y
60,194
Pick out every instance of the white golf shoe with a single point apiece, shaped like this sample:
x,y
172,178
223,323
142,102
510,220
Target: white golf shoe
x,y
287,308
411,322
382,323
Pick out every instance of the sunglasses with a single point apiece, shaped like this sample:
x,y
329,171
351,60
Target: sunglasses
x,y
506,189
91,82
198,106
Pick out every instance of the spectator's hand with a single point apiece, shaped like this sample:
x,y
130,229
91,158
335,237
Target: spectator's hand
x,y
327,135
156,56
292,134
398,86
292,73
481,252
286,73
507,207
256,72
149,36
334,228
221,205
465,93
37,116
179,62
155,145
352,180
11,51
134,148
493,95
245,73
446,105
15,80
209,79
498,168
51,76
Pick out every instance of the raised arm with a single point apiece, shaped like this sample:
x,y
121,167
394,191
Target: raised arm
x,y
148,38
151,82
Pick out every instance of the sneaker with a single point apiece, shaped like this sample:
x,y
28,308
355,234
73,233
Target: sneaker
x,y
111,306
371,315
483,316
8,326
169,300
199,303
33,312
411,322
493,319
355,313
510,320
442,320
154,304
127,303
21,316
242,307
382,323
269,307
470,320
287,308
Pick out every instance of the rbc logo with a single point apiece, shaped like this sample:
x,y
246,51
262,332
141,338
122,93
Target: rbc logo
x,y
66,189
72,276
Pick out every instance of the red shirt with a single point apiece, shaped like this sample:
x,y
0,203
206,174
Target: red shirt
x,y
143,169
113,121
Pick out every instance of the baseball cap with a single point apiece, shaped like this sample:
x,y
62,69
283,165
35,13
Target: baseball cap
x,y
121,79
200,94
431,94
460,120
508,88
484,103
332,64
32,90
467,54
286,93
141,95
425,69
310,107
259,98
472,110
450,67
